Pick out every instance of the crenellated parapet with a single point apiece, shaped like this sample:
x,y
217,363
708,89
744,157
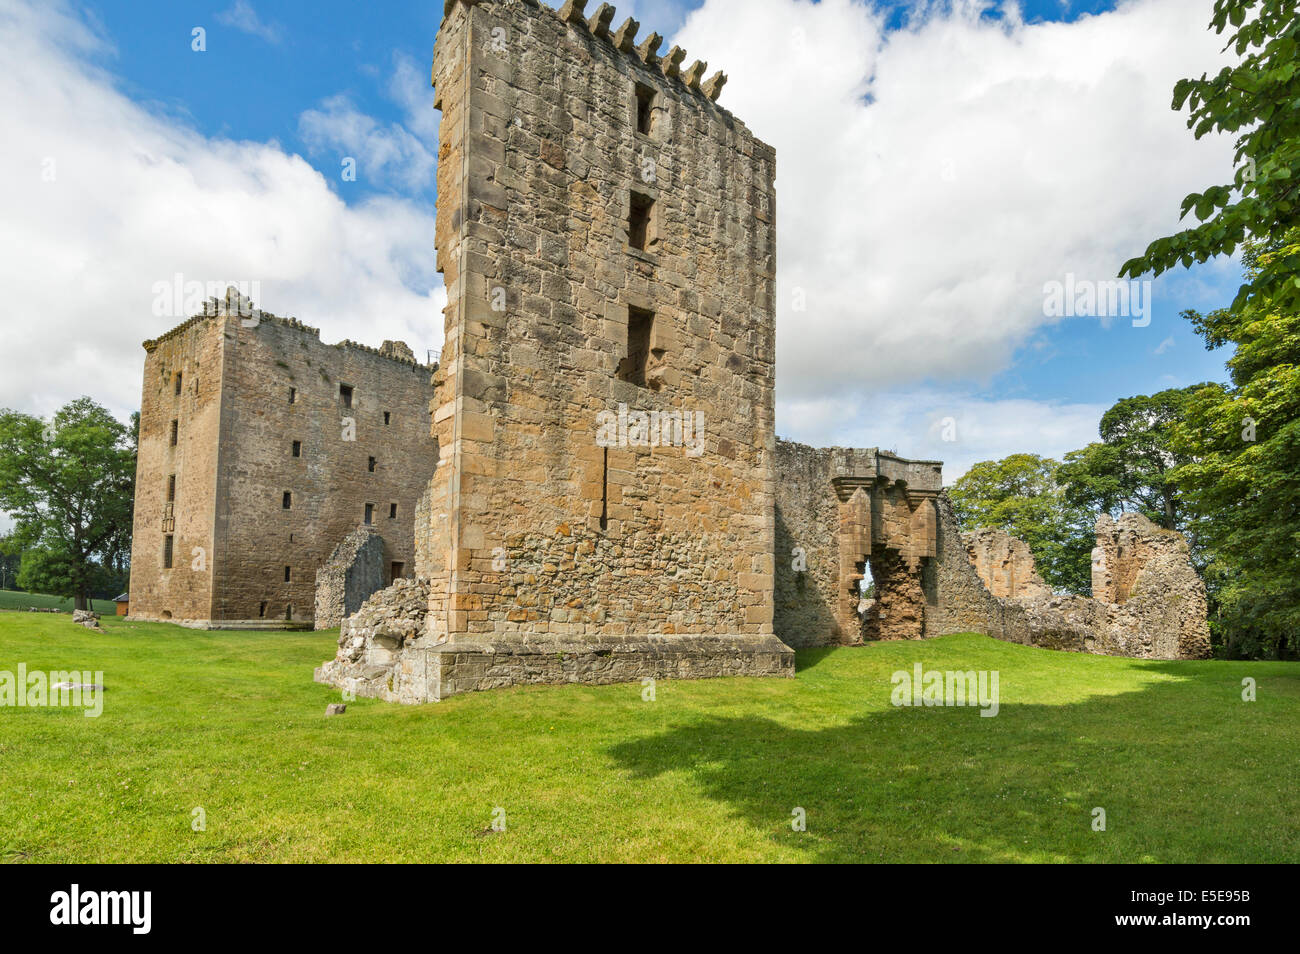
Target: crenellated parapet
x,y
599,24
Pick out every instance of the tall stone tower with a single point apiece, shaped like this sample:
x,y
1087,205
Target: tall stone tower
x,y
602,508
261,449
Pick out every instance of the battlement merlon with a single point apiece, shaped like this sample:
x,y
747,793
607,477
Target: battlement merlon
x,y
624,40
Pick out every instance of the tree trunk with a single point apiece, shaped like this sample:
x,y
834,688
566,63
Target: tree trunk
x,y
79,601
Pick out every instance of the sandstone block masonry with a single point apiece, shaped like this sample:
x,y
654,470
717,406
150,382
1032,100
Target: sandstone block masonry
x,y
605,417
261,448
1147,599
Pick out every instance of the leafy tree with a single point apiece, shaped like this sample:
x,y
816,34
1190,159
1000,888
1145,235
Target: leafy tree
x,y
1240,481
1021,495
1255,101
70,487
1132,468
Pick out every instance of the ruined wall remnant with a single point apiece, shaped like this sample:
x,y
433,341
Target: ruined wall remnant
x,y
840,511
602,506
261,448
1005,564
353,572
1148,601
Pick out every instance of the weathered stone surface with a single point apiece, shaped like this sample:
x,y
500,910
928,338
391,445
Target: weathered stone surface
x,y
1005,564
1148,601
234,459
839,510
335,708
354,571
87,619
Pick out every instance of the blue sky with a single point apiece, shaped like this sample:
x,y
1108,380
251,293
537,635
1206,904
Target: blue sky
x,y
925,290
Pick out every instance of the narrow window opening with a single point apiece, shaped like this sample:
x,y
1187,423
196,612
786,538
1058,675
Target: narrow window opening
x,y
178,382
645,103
371,465
604,493
288,612
171,488
168,551
392,511
293,395
297,448
640,325
176,432
388,418
288,574
370,514
345,394
640,231
286,502
261,610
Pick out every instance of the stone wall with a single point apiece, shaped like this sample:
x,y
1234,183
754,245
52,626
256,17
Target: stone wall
x,y
352,574
1005,564
838,511
1148,600
267,409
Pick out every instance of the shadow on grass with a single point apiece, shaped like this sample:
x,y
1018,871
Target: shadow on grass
x,y
1185,770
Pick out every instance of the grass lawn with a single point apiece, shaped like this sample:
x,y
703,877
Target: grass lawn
x,y
12,599
711,770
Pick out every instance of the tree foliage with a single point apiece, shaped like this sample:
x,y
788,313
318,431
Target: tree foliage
x,y
1021,495
1254,101
69,485
1131,469
1242,477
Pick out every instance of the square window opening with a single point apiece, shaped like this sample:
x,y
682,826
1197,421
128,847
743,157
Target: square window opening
x,y
640,221
645,103
640,325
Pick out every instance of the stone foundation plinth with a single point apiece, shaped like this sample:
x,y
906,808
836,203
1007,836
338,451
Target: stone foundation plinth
x,y
414,672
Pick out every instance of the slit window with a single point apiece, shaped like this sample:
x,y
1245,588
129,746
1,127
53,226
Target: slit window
x,y
286,502
370,514
297,448
345,395
176,431
640,324
293,395
388,418
178,382
392,511
261,610
169,549
371,465
171,488
640,224
645,105
288,574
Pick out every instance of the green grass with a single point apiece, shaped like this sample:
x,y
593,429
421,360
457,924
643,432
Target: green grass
x,y
15,600
232,723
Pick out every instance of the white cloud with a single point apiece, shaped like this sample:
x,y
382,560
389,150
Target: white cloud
x,y
136,198
244,18
956,428
1165,345
397,155
931,180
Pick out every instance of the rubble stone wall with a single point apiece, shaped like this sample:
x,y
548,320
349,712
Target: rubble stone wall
x,y
354,571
